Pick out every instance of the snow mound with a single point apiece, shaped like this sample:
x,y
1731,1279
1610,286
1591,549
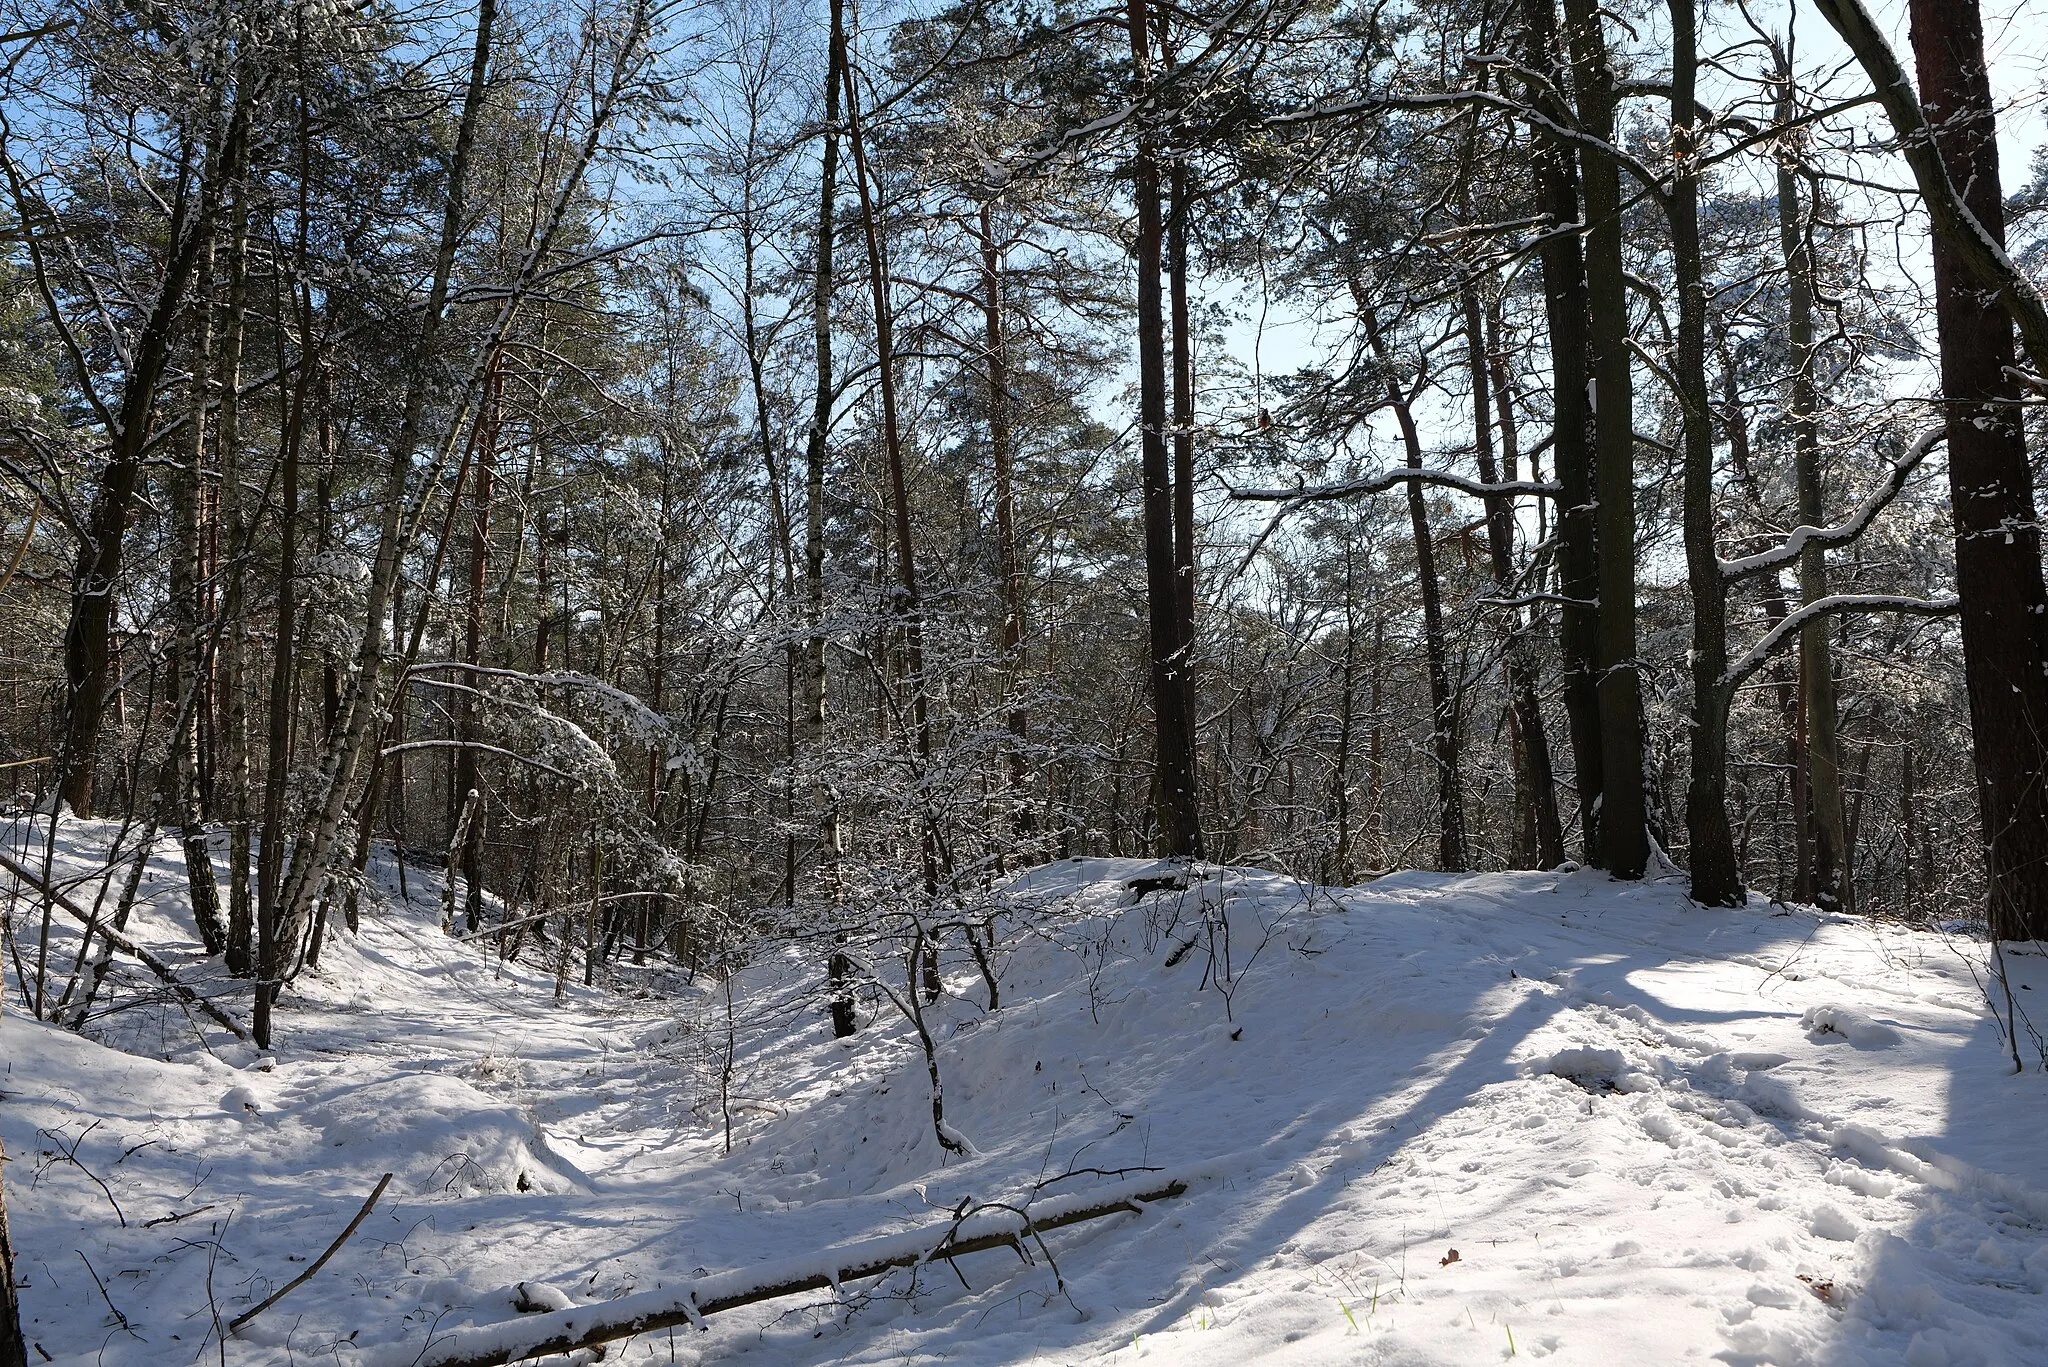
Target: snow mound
x,y
438,1134
1859,1029
1596,1070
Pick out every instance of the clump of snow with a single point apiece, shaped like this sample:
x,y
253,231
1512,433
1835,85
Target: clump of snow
x,y
1596,1070
1859,1029
1830,1223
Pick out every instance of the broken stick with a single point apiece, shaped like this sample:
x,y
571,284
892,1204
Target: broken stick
x,y
238,1321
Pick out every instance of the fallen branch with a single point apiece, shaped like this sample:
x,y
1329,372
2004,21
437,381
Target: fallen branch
x,y
127,946
295,1283
585,1326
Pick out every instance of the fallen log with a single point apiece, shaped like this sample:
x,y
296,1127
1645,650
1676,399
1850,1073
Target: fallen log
x,y
93,927
585,1326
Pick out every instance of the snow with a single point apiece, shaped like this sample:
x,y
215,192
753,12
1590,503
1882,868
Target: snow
x,y
1652,1133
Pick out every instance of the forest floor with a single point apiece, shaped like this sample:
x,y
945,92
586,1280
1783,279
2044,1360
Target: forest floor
x,y
1652,1133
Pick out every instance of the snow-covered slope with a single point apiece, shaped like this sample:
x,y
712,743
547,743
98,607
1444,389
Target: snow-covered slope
x,y
1651,1133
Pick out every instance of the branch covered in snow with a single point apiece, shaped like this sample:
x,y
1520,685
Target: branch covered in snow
x,y
1952,219
1787,551
1387,479
458,744
585,1326
1792,623
1293,499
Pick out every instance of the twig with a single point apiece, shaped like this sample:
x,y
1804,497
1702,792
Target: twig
x,y
238,1321
70,1156
104,1296
181,1215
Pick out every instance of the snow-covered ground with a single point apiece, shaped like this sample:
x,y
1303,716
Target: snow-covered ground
x,y
1440,1119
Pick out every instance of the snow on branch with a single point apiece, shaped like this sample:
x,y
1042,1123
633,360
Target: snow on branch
x,y
1291,500
446,744
980,1227
1387,479
1787,551
1792,623
631,713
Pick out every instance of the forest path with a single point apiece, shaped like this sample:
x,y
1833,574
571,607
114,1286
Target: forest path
x,y
1653,1133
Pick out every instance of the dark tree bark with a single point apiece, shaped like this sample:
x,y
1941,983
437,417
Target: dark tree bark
x,y
468,775
838,969
234,661
1002,458
1180,831
272,946
1536,793
13,1352
1998,540
1624,832
909,605
1182,327
1443,711
191,656
1825,878
101,552
1565,310
1716,879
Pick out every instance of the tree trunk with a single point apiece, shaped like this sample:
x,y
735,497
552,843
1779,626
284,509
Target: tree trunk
x,y
1183,330
273,948
909,606
1180,830
1536,793
1566,312
1016,715
468,778
1826,880
1443,736
1624,833
87,633
838,969
1998,541
13,1351
234,666
1716,879
190,656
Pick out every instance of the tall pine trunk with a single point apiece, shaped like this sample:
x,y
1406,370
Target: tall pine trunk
x,y
1180,831
1565,312
1443,696
1826,877
88,640
1716,880
1002,459
909,606
1536,794
1998,540
191,658
234,662
1624,833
